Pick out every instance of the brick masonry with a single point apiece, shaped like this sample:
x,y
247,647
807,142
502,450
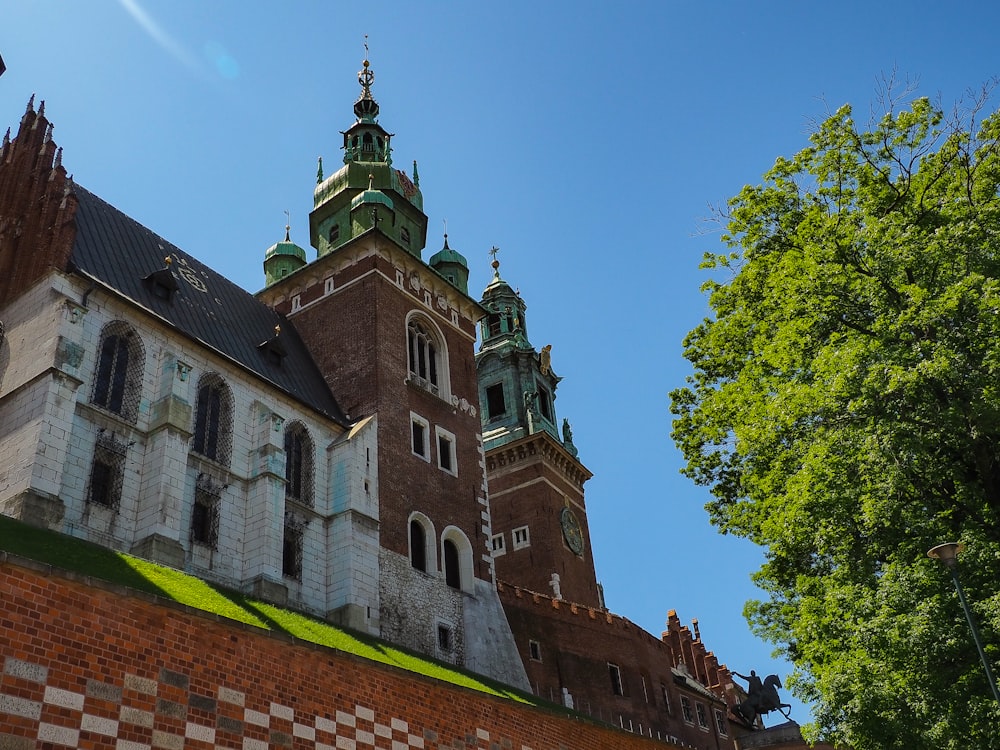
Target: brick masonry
x,y
86,664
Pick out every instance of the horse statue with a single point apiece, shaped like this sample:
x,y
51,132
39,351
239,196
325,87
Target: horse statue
x,y
762,698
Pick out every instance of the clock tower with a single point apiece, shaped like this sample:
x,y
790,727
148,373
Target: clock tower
x,y
540,537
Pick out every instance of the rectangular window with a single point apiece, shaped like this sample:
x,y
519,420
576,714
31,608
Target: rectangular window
x,y
521,538
544,402
205,518
666,699
291,558
720,722
446,451
535,650
107,472
444,638
420,429
616,679
498,545
496,406
702,717
686,710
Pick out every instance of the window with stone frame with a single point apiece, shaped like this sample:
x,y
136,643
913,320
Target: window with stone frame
x,y
418,545
686,710
420,436
298,464
447,457
424,355
205,513
498,545
521,537
616,679
702,716
292,546
452,571
107,471
118,375
213,425
535,650
720,722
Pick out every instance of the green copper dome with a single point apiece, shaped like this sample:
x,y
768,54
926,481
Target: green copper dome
x,y
452,265
282,258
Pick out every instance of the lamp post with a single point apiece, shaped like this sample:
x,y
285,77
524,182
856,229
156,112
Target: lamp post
x,y
947,553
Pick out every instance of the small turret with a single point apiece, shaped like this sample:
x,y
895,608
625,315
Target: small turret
x,y
452,265
282,259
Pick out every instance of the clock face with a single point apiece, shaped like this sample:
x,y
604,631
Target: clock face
x,y
572,531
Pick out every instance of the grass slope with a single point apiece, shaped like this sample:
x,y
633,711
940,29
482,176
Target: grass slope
x,y
82,557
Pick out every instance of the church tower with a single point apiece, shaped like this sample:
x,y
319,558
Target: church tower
x,y
395,339
541,539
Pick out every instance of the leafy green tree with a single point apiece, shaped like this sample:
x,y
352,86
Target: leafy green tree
x,y
845,412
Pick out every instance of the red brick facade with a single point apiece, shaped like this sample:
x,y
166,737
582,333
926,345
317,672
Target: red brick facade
x,y
95,666
352,308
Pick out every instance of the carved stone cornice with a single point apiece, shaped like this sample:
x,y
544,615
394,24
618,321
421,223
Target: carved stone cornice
x,y
539,445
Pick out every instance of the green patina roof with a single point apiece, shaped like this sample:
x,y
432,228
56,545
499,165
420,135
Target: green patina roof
x,y
285,247
371,195
447,255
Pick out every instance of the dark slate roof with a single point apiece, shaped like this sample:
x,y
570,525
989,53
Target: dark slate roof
x,y
118,252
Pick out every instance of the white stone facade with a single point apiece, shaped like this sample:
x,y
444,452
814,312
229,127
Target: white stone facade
x,y
52,432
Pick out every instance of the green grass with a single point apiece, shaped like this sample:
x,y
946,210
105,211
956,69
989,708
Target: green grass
x,y
89,559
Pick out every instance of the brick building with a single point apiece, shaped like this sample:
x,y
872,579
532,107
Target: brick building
x,y
321,444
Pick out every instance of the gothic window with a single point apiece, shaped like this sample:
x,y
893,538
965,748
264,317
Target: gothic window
x,y
424,356
418,546
292,545
298,464
118,378
213,424
496,405
205,513
616,679
452,576
107,472
367,143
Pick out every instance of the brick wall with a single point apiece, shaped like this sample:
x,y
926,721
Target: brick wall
x,y
92,665
575,646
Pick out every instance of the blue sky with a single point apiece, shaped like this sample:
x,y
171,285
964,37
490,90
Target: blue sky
x,y
588,141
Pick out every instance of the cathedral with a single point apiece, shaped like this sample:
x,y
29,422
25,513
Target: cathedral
x,y
361,440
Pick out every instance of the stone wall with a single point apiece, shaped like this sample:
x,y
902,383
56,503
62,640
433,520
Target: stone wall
x,y
86,664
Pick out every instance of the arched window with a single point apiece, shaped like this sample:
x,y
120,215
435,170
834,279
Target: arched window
x,y
213,426
118,378
298,464
423,554
418,546
452,569
426,356
456,556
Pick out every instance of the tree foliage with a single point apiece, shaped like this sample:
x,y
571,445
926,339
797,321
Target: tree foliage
x,y
845,412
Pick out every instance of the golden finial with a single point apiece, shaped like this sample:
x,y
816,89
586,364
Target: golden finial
x,y
168,260
277,330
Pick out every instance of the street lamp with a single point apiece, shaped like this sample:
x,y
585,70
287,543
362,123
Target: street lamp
x,y
947,553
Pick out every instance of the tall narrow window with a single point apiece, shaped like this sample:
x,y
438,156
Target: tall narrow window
x,y
616,679
452,574
420,436
544,403
107,472
423,355
291,551
205,513
298,464
213,419
118,377
418,546
686,709
447,459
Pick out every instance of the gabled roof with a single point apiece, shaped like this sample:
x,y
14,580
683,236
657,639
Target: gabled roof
x,y
118,252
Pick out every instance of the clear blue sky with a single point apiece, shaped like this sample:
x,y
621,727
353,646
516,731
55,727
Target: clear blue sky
x,y
587,141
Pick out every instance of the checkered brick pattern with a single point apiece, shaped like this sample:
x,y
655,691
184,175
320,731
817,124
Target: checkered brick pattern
x,y
165,713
